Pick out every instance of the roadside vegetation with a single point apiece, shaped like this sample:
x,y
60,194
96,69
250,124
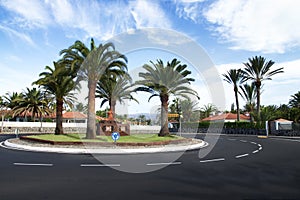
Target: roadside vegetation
x,y
105,71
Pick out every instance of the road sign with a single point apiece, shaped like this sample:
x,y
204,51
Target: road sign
x,y
115,136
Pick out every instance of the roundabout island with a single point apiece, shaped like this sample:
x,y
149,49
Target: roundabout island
x,y
76,144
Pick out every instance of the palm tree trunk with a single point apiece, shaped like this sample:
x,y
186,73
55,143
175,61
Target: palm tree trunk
x,y
164,131
237,103
91,123
59,108
258,84
112,105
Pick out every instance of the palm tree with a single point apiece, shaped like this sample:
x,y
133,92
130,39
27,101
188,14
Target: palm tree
x,y
295,100
9,99
206,110
94,63
32,103
113,90
257,70
189,108
249,95
163,81
235,77
60,83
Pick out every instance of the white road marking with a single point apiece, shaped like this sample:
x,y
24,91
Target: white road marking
x,y
212,160
34,164
231,139
259,145
260,148
243,155
253,143
170,163
243,141
100,165
293,140
255,151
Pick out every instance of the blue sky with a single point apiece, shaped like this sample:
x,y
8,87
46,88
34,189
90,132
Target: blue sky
x,y
32,32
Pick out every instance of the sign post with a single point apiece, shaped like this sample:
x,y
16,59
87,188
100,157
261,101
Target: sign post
x,y
115,136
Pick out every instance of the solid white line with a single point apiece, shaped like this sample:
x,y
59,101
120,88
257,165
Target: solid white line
x,y
171,163
243,155
100,165
293,140
243,141
34,164
255,151
212,160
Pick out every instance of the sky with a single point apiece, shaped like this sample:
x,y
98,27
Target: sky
x,y
33,32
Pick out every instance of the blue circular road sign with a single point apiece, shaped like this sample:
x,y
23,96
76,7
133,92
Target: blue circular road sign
x,y
115,136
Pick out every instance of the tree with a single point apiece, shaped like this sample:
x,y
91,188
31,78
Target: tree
x,y
257,69
189,110
114,89
80,108
60,83
206,110
248,93
9,99
162,81
94,63
32,102
295,100
236,78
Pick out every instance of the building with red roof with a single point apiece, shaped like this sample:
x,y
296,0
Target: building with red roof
x,y
226,117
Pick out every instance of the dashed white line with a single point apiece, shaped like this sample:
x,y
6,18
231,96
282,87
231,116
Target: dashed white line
x,y
34,164
212,160
231,139
100,165
243,141
255,151
167,163
260,148
253,143
243,155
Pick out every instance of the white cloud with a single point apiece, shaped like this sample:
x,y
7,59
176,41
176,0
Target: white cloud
x,y
13,34
268,26
189,9
106,19
30,14
84,19
148,14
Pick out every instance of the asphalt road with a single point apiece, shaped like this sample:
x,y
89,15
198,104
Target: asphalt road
x,y
236,168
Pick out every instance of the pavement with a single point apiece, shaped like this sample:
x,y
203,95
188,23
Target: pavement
x,y
14,144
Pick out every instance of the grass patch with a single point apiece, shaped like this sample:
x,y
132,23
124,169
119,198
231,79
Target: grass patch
x,y
135,138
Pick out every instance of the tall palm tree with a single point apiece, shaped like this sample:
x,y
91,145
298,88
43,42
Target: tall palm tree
x,y
236,78
248,93
32,103
257,69
60,83
295,100
94,63
163,81
112,90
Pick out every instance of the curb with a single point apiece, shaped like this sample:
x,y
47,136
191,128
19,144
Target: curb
x,y
178,148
